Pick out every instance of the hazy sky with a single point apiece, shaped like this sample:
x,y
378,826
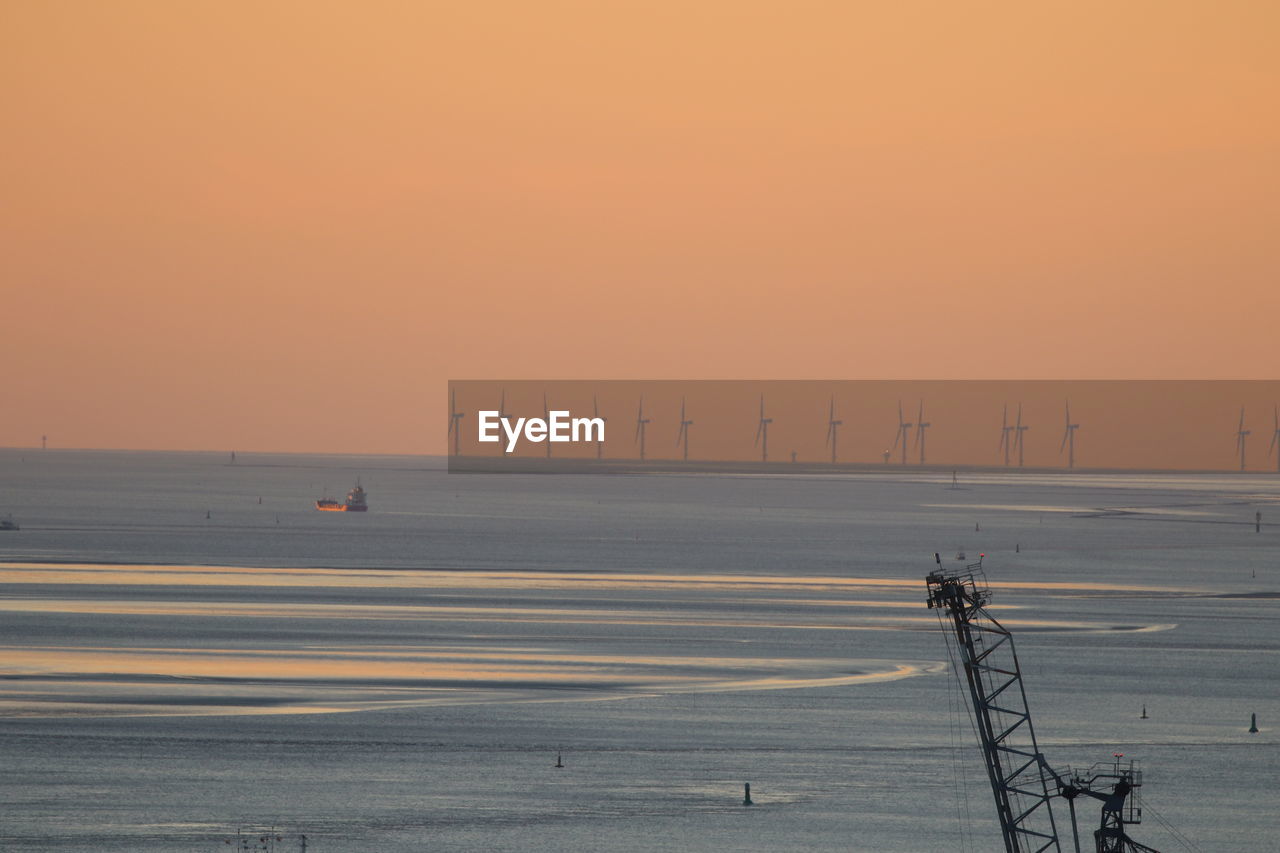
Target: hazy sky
x,y
283,226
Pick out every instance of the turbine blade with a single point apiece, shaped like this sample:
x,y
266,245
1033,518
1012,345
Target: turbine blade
x,y
1066,432
1242,418
682,409
759,429
831,427
595,407
831,412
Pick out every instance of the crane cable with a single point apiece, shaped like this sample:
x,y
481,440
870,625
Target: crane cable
x,y
1178,836
955,699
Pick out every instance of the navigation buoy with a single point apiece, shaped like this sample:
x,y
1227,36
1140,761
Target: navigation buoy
x,y
559,762
1144,713
746,795
1253,724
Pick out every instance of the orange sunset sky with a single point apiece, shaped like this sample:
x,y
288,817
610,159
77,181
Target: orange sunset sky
x,y
284,226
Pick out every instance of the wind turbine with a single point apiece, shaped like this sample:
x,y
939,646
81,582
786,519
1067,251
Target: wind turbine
x,y
1069,439
503,414
1005,443
833,428
595,413
641,423
921,426
904,430
1275,436
762,432
1241,434
1018,438
455,427
682,437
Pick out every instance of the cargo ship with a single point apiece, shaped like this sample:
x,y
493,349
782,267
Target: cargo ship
x,y
355,502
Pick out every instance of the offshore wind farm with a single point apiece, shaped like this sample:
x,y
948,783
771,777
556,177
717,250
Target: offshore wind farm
x,y
971,426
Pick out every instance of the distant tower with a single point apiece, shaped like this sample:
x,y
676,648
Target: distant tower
x,y
762,432
1005,428
1241,435
1018,430
1275,436
921,426
1069,439
903,433
455,428
682,437
641,423
833,428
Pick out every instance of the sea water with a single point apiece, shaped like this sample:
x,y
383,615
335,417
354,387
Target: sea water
x,y
188,650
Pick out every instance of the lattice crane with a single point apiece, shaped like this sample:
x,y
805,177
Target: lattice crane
x,y
1022,781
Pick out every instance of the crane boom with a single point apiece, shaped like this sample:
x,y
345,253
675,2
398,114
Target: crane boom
x,y
1021,779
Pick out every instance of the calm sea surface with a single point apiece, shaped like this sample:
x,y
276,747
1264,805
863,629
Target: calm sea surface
x,y
188,649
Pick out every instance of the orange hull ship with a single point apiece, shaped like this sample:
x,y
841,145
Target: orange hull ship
x,y
355,502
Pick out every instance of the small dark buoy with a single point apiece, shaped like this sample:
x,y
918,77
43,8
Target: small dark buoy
x,y
746,795
1253,724
208,514
559,762
259,500
1144,713
1017,548
977,527
1257,522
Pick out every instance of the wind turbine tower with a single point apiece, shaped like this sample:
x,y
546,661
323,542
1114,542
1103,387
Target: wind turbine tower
x,y
833,428
641,423
762,432
904,431
1275,436
1005,443
595,413
455,418
1241,435
682,437
921,426
1018,437
1069,439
